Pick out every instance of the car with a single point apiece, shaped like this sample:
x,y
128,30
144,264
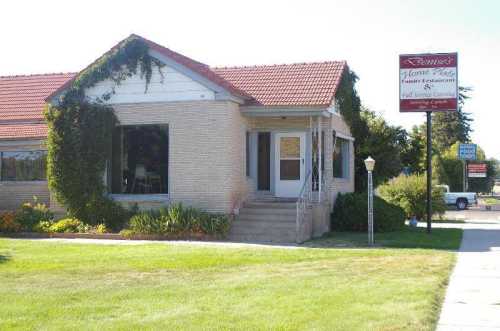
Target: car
x,y
462,200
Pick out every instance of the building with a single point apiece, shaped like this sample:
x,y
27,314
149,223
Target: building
x,y
220,139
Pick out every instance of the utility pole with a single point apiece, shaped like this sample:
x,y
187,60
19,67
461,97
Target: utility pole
x,y
429,171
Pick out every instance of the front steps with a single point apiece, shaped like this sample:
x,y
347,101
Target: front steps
x,y
271,221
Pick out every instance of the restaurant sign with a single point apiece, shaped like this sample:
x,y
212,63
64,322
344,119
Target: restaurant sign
x,y
428,82
477,170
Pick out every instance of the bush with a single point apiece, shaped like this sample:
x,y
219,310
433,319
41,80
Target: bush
x,y
9,223
43,226
178,219
30,214
410,193
68,225
104,211
351,214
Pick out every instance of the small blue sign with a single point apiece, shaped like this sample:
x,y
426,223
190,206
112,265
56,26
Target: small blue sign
x,y
467,151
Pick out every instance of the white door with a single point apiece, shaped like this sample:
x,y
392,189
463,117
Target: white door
x,y
290,163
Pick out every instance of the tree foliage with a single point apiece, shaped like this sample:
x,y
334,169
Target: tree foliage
x,y
385,144
450,127
410,193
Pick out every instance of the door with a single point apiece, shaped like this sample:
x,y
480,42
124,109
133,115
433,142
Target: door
x,y
290,163
264,161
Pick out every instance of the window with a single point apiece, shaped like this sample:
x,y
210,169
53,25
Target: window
x,y
290,158
247,150
23,166
341,159
140,157
315,159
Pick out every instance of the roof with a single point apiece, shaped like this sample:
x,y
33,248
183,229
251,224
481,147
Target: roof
x,y
22,98
198,67
23,131
300,84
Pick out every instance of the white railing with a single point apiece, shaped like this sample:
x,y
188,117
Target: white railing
x,y
303,202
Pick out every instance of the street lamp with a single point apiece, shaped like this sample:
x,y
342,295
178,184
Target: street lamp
x,y
370,164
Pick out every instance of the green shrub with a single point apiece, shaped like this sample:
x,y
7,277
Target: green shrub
x,y
100,228
177,219
43,226
127,233
410,193
68,225
108,212
351,214
147,222
32,213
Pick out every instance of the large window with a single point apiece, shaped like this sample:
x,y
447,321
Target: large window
x,y
139,162
23,166
341,159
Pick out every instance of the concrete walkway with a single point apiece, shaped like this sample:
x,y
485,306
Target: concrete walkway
x,y
473,296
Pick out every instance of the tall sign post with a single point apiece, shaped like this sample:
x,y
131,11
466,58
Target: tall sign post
x,y
466,152
428,83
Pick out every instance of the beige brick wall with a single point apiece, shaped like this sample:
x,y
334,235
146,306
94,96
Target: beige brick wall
x,y
207,154
14,193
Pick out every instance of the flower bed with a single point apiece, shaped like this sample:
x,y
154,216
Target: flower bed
x,y
112,236
35,220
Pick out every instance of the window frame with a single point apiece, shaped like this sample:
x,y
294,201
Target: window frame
x,y
44,153
345,150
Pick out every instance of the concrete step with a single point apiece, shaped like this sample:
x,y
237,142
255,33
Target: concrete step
x,y
268,211
263,226
267,218
270,205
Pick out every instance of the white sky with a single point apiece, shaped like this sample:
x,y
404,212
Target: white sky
x,y
61,36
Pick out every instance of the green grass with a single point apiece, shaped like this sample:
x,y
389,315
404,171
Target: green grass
x,y
438,239
61,286
491,201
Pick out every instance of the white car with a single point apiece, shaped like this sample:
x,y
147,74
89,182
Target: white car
x,y
460,199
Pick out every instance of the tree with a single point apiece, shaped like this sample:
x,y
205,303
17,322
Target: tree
x,y
413,153
450,127
384,143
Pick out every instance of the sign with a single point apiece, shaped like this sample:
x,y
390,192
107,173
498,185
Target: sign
x,y
467,151
428,82
477,170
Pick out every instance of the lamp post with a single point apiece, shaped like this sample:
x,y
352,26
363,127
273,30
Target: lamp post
x,y
370,164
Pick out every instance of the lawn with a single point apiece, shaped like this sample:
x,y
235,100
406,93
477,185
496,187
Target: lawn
x,y
68,286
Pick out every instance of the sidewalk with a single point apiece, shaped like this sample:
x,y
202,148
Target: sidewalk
x,y
473,296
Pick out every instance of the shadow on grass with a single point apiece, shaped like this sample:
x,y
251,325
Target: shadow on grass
x,y
439,238
4,258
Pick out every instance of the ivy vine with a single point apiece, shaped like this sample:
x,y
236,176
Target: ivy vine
x,y
80,131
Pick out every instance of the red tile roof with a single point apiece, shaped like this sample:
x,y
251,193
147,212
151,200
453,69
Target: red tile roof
x,y
23,131
300,84
22,98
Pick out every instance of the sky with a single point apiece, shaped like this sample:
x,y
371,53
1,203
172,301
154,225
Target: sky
x,y
65,36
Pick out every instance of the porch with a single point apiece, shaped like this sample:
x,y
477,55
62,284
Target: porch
x,y
290,172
